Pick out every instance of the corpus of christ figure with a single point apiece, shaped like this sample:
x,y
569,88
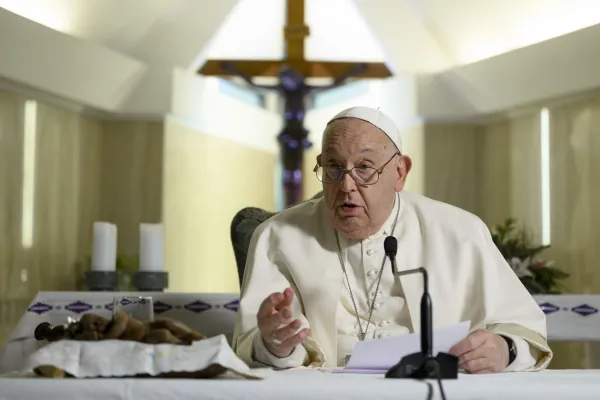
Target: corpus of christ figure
x,y
293,138
292,72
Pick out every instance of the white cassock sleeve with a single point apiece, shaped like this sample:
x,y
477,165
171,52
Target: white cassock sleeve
x,y
524,360
505,307
264,356
262,277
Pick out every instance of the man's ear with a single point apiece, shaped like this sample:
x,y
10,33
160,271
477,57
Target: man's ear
x,y
319,159
407,162
403,167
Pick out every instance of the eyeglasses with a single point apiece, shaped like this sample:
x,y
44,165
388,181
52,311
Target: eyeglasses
x,y
362,175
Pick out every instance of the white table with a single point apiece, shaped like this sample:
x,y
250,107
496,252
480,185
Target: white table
x,y
547,385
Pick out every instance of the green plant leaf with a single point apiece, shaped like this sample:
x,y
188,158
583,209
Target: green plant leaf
x,y
514,241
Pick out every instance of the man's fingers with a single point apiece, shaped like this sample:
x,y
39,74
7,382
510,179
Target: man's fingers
x,y
475,365
462,347
275,302
268,305
471,342
271,323
474,354
295,340
287,331
483,359
480,353
288,297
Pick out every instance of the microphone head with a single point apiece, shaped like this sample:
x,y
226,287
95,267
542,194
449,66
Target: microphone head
x,y
390,244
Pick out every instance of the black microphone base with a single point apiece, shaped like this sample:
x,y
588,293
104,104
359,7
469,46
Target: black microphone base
x,y
419,366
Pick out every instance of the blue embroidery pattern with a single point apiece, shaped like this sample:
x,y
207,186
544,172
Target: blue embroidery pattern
x,y
549,308
160,307
198,306
584,310
79,307
40,308
233,305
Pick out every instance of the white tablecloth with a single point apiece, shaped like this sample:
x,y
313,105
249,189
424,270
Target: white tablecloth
x,y
571,318
546,385
211,314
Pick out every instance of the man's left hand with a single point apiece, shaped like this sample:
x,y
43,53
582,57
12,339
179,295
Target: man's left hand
x,y
482,352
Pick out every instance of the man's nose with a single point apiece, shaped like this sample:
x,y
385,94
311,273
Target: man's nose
x,y
348,184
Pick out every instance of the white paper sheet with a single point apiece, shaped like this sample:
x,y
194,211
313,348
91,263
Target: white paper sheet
x,y
379,355
118,358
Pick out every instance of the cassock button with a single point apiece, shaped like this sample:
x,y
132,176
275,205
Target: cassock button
x,y
371,273
383,334
383,323
376,306
370,252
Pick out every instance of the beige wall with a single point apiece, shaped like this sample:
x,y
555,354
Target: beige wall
x,y
575,196
413,145
85,170
132,163
575,191
495,172
207,180
492,170
66,202
451,164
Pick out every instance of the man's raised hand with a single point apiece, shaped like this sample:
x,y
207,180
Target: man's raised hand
x,y
276,325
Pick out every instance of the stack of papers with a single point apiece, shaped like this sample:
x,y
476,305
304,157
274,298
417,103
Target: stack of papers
x,y
377,356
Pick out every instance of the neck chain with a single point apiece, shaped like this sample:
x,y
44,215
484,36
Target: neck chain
x,y
341,257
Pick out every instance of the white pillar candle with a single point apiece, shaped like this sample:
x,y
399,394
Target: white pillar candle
x,y
151,247
104,250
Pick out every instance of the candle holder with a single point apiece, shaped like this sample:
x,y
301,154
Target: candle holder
x,y
151,281
101,281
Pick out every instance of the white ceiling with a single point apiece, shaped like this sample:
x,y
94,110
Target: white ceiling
x,y
471,30
169,32
414,35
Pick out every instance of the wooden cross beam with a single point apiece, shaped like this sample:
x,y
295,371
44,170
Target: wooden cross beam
x,y
293,70
295,32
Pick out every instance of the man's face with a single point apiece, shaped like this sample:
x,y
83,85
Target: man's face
x,y
357,210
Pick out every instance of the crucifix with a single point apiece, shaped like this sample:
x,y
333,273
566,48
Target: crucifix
x,y
292,72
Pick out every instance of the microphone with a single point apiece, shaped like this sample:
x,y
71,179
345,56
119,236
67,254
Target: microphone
x,y
390,245
424,365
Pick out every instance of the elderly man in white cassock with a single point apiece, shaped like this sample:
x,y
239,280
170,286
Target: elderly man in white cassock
x,y
317,281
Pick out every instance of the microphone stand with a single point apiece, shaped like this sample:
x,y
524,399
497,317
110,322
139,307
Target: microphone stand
x,y
424,365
